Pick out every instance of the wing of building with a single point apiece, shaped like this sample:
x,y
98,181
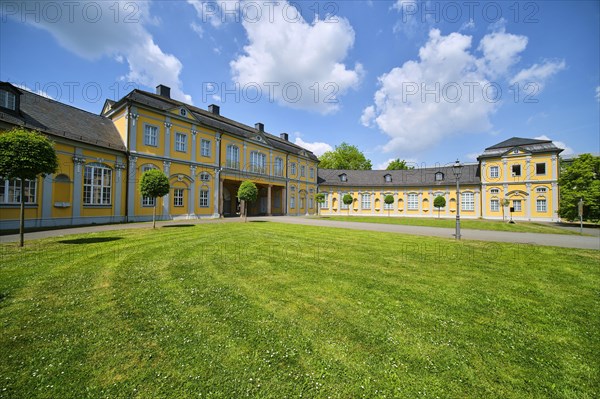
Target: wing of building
x,y
206,156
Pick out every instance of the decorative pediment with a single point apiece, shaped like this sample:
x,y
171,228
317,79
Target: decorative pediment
x,y
515,152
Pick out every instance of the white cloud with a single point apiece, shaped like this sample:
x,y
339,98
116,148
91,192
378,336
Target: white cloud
x,y
121,39
501,51
466,26
217,12
538,73
317,148
39,92
567,150
598,93
448,91
198,29
302,61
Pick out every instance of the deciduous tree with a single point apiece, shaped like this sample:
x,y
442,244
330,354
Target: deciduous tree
x,y
398,164
389,200
347,200
154,184
439,202
580,180
345,156
248,192
25,155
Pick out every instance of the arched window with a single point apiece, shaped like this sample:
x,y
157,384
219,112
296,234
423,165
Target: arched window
x,y
97,184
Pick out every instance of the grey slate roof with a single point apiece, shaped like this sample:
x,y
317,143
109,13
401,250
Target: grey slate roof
x,y
400,178
209,119
530,145
57,119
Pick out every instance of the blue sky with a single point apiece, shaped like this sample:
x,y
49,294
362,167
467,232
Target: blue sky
x,y
428,82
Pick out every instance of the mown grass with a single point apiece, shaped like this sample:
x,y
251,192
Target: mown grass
x,y
475,224
268,310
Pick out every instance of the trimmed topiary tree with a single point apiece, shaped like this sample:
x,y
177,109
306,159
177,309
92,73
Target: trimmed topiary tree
x,y
154,184
25,155
347,200
247,193
320,198
389,200
439,202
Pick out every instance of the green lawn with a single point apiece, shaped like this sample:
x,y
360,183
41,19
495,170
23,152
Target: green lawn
x,y
268,310
475,224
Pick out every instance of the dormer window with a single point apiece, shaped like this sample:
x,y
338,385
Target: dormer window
x,y
439,176
343,177
388,178
8,100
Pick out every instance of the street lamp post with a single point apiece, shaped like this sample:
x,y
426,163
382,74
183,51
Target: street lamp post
x,y
457,168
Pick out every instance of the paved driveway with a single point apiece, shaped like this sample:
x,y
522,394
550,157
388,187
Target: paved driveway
x,y
557,240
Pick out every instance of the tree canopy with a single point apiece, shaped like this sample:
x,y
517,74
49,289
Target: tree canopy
x,y
153,184
398,164
345,156
25,155
248,192
439,202
580,179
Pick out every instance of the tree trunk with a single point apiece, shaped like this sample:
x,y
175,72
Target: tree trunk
x,y
22,215
154,215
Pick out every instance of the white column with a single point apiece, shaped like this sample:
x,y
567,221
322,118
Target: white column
x,y
168,126
131,191
528,201
554,207
192,193
483,201
165,199
79,161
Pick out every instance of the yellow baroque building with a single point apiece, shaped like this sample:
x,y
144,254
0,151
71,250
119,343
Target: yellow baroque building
x,y
206,156
515,179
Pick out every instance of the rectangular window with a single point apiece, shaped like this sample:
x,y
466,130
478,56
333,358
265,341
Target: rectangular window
x,y
495,205
413,202
178,197
310,203
325,203
293,168
494,172
278,167
97,183
540,168
312,173
180,142
233,157
151,135
302,171
10,191
258,162
205,148
365,202
516,170
292,202
204,198
147,201
517,205
467,201
7,100
541,205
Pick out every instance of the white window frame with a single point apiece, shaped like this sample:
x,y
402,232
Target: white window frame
x,y
205,147
541,190
292,202
541,205
302,171
365,201
94,192
178,197
388,207
520,207
412,202
204,176
388,178
494,172
232,159
278,169
495,205
467,201
258,162
180,142
204,197
512,170
325,203
148,201
312,173
10,191
151,135
495,191
293,168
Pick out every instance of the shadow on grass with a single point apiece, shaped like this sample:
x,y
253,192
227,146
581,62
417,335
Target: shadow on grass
x,y
258,221
178,225
90,240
